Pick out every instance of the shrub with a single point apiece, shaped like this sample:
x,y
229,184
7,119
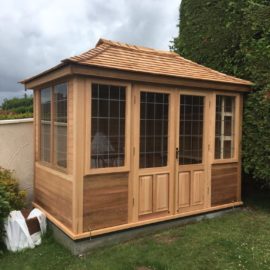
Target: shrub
x,y
4,211
16,197
11,198
7,115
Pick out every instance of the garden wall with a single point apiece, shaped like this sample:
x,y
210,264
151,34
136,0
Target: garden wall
x,y
16,151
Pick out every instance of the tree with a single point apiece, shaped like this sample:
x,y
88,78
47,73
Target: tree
x,y
15,108
18,105
233,36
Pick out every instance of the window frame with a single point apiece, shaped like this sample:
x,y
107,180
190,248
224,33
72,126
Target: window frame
x,y
53,160
237,128
88,117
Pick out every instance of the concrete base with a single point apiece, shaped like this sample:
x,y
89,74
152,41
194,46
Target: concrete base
x,y
85,245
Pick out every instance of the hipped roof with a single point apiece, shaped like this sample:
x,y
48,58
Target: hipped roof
x,y
121,56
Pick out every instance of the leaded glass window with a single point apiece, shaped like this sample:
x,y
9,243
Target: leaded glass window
x,y
153,129
108,126
191,129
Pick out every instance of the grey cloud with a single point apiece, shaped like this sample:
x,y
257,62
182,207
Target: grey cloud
x,y
35,35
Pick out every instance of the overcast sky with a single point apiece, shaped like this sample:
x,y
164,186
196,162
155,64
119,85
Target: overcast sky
x,y
37,34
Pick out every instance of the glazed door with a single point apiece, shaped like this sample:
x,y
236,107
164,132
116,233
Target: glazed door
x,y
191,152
155,156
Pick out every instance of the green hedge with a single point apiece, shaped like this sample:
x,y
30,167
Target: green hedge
x,y
233,36
230,36
256,145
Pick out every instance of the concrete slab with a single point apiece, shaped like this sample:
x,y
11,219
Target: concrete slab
x,y
88,244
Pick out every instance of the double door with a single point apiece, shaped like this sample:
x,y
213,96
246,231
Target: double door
x,y
172,158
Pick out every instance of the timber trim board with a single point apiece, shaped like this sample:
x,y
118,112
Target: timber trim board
x,y
45,78
89,234
79,96
134,76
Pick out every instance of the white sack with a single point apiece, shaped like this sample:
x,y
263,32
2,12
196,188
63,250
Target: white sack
x,y
17,234
36,237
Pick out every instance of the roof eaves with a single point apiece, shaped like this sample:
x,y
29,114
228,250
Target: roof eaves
x,y
42,73
241,81
165,75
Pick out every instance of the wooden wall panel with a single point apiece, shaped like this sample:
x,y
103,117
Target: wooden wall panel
x,y
54,193
184,189
197,190
145,195
105,201
161,193
224,183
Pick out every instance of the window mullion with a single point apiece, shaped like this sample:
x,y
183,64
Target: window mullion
x,y
222,129
52,126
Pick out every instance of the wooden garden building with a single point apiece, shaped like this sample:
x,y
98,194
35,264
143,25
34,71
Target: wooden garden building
x,y
127,136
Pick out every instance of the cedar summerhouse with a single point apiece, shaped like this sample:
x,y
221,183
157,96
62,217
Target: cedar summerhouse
x,y
127,136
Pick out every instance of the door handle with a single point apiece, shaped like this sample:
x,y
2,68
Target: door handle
x,y
177,153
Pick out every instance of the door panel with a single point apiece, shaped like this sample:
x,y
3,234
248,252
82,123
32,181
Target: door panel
x,y
145,195
184,189
161,200
153,194
197,188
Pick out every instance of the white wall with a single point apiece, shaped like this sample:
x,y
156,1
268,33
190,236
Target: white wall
x,y
16,151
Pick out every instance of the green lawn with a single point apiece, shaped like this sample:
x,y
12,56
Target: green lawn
x,y
238,240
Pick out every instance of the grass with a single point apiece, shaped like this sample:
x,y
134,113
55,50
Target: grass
x,y
238,240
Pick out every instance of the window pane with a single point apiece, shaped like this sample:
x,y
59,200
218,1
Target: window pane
x,y
153,130
228,149
60,124
60,140
107,126
45,125
191,129
45,141
228,125
225,113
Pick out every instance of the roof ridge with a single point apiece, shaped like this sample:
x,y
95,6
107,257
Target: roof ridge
x,y
135,47
213,70
93,50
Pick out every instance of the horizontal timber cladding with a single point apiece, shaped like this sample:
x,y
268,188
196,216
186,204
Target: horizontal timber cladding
x,y
224,183
105,201
54,194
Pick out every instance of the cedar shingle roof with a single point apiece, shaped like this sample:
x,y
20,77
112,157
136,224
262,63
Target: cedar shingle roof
x,y
127,57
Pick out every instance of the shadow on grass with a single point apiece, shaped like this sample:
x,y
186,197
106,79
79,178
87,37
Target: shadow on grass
x,y
255,196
